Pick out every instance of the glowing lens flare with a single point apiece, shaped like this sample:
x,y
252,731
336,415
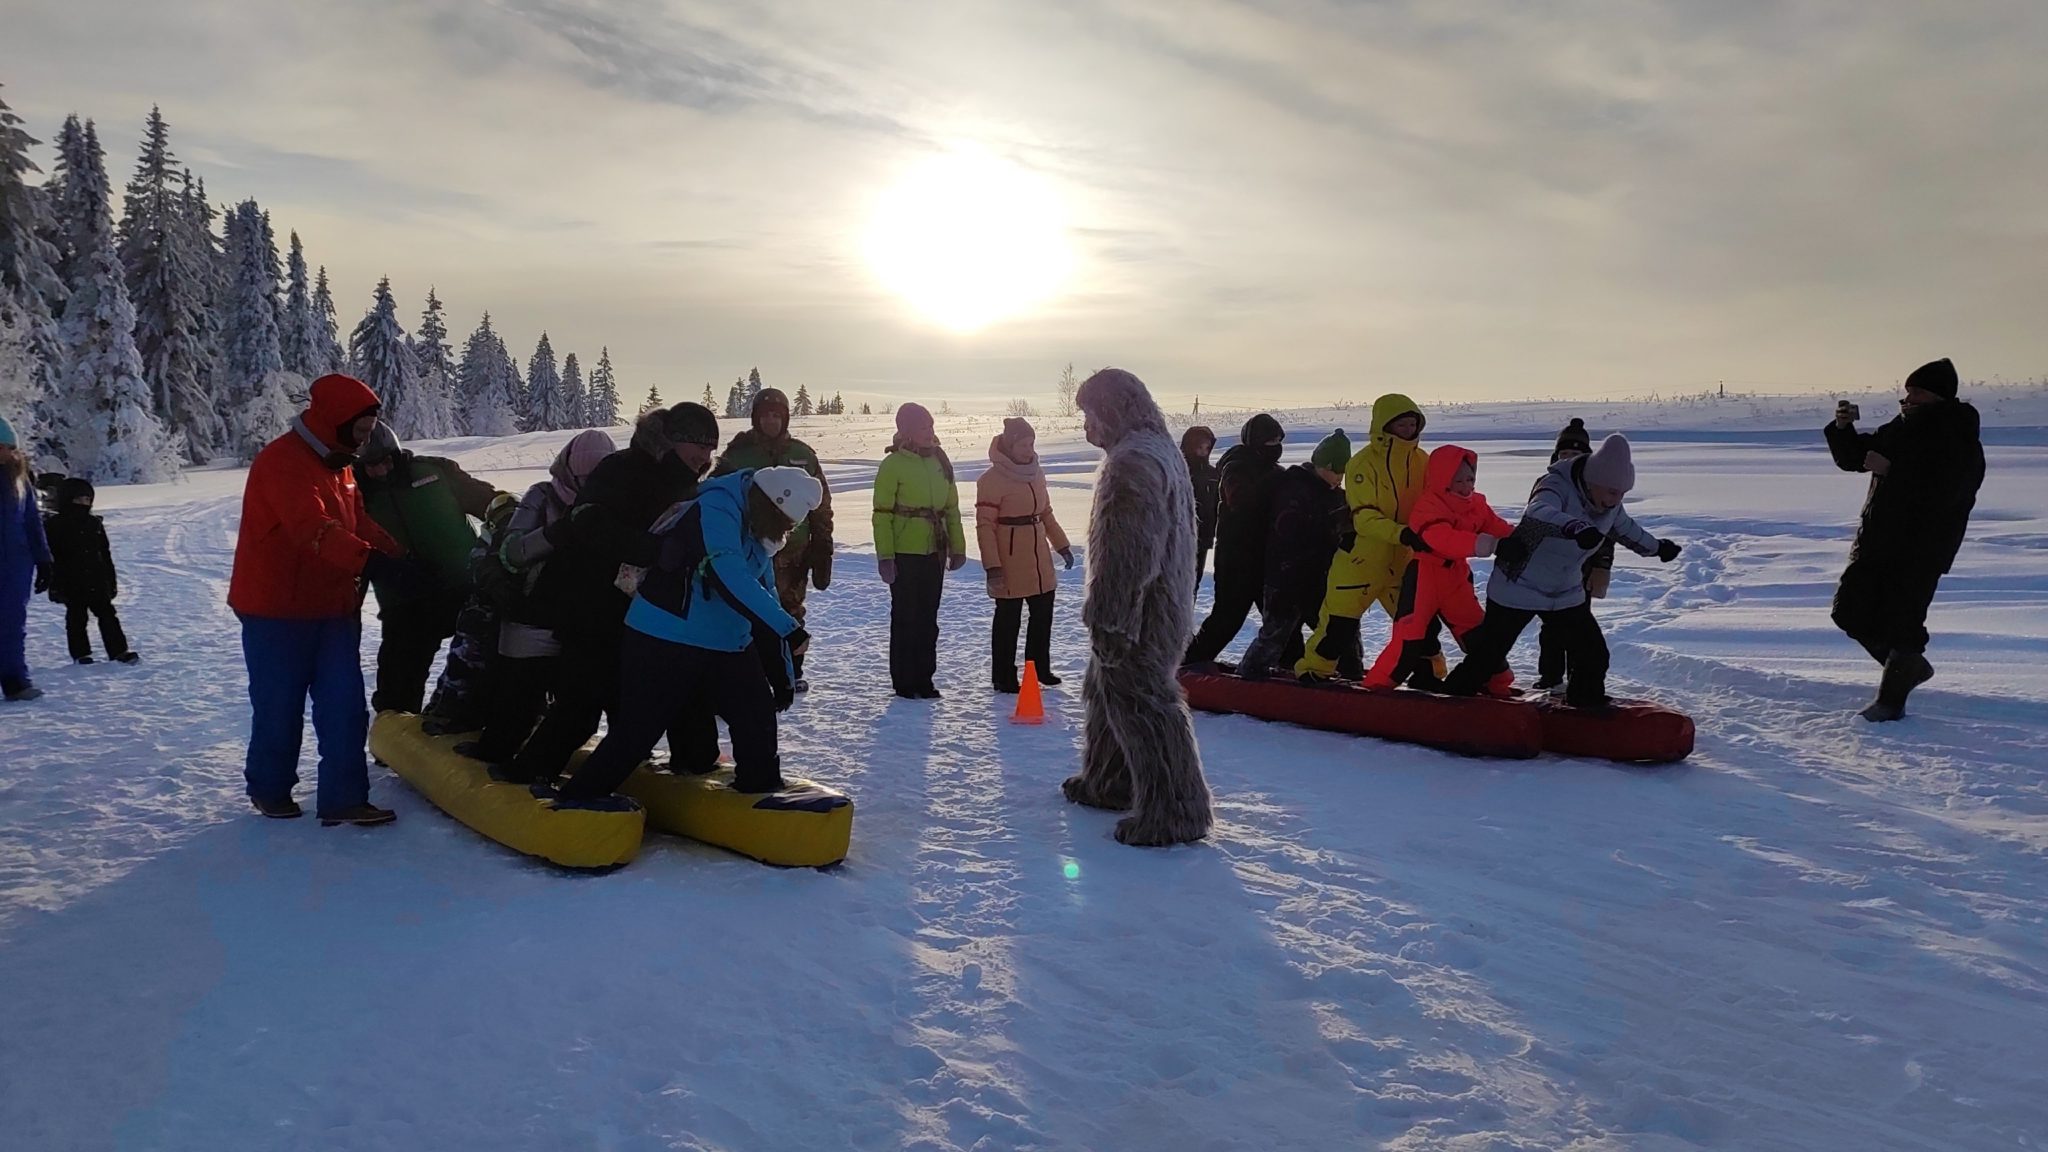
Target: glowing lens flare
x,y
969,239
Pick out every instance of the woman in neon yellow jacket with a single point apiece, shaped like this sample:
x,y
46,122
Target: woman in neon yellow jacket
x,y
1381,484
918,539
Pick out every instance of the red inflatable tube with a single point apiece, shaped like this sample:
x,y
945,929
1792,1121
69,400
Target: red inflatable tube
x,y
1479,726
1630,731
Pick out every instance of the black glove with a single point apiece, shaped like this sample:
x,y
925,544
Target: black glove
x,y
563,531
1512,551
785,694
42,579
797,639
398,577
1589,538
1667,550
1414,542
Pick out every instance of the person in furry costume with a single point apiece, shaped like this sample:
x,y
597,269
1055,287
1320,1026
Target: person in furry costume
x,y
1138,741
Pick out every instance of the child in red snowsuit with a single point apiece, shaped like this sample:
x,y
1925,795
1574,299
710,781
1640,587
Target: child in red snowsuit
x,y
1449,525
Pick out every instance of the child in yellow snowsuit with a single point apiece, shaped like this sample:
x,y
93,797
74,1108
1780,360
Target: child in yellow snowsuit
x,y
1381,484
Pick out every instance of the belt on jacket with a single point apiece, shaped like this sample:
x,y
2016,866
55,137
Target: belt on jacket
x,y
937,516
1017,521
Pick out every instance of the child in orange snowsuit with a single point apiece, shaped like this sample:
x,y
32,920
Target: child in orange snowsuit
x,y
1449,525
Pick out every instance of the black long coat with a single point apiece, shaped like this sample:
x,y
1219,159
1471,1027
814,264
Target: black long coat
x,y
1915,515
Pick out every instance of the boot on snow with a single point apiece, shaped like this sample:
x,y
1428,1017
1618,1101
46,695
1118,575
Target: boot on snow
x,y
14,689
1046,677
1904,672
1006,681
361,815
127,658
84,660
285,809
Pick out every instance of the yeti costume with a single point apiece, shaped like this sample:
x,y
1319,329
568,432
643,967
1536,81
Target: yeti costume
x,y
1138,742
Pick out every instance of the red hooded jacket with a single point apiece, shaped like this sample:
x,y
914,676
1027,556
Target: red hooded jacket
x,y
1451,524
304,533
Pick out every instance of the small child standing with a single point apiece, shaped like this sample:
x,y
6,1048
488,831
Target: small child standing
x,y
1551,665
84,580
1575,509
1449,525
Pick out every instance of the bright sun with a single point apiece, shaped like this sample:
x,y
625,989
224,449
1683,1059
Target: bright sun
x,y
969,239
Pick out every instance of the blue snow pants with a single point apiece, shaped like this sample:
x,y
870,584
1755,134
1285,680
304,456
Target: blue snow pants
x,y
15,583
289,660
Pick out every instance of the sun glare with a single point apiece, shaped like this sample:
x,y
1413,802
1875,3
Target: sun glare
x,y
969,239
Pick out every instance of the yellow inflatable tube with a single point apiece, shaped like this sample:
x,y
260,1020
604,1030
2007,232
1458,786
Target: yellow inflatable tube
x,y
507,813
805,825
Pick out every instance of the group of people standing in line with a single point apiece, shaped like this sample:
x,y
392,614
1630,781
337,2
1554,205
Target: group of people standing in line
x,y
1314,546
690,568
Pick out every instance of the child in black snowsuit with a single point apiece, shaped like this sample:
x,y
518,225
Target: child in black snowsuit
x,y
83,580
1552,664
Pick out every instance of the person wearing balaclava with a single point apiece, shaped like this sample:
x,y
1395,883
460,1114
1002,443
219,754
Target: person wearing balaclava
x,y
83,579
1195,445
606,531
806,560
1243,522
1925,467
1309,526
1540,570
24,565
425,503
918,539
304,543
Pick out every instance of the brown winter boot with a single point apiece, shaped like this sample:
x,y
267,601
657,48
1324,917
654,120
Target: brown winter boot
x,y
1903,672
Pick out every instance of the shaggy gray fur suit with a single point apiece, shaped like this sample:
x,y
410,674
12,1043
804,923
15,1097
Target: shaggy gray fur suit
x,y
1138,741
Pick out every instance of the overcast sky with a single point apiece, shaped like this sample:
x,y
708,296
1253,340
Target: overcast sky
x,y
1277,202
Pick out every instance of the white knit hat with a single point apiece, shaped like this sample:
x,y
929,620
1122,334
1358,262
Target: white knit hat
x,y
795,491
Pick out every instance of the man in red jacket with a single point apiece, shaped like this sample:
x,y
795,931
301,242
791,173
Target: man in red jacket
x,y
305,543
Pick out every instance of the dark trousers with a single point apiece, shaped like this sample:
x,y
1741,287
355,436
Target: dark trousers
x,y
1487,647
1340,644
1236,596
1278,645
1201,562
518,692
110,628
667,687
914,621
1884,606
462,696
1003,635
584,683
412,637
289,660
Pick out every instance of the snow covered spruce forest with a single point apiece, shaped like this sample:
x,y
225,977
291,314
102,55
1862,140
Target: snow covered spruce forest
x,y
177,335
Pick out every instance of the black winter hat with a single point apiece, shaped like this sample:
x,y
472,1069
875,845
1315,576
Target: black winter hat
x,y
1261,429
1573,436
692,423
70,489
1938,377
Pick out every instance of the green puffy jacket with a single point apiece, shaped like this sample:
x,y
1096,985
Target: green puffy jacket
x,y
914,496
750,449
425,503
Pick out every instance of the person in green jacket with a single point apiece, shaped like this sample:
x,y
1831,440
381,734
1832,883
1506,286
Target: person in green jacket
x,y
425,503
806,557
918,539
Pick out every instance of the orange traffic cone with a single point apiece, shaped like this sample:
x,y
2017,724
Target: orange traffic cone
x,y
1030,707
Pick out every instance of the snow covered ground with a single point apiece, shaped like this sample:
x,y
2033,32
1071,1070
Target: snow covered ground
x,y
1814,934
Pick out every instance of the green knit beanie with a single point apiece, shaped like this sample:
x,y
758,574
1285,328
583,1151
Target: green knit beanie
x,y
1333,453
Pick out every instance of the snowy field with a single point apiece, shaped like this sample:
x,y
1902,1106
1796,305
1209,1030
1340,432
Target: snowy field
x,y
1815,934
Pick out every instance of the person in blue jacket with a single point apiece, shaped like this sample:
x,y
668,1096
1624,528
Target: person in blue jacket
x,y
695,617
24,565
